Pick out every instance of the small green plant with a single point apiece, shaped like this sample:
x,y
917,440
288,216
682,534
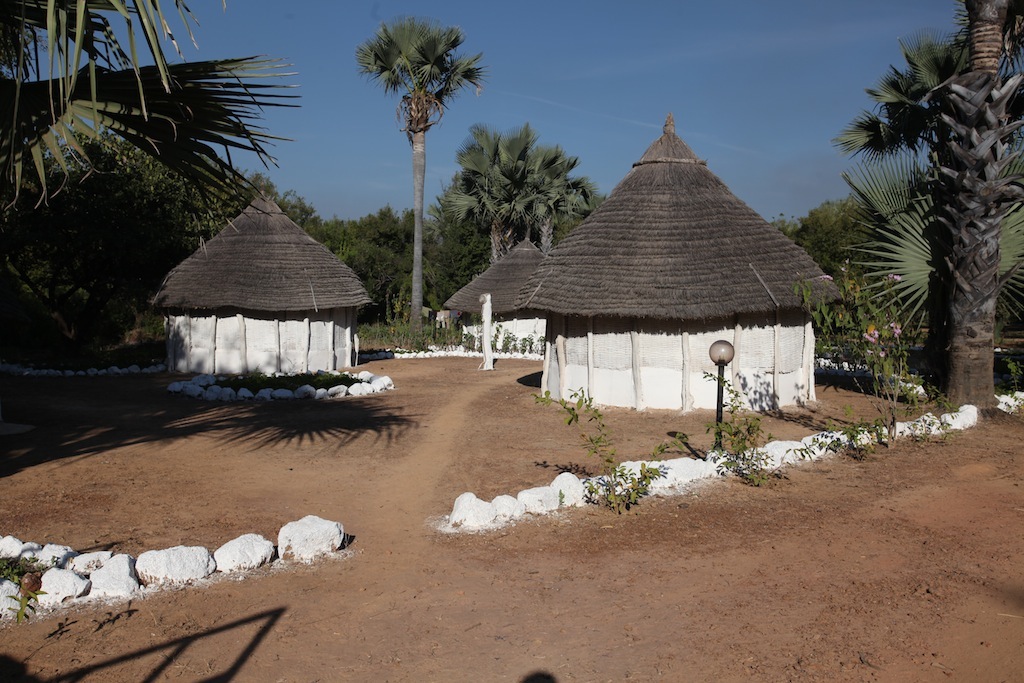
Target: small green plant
x,y
1016,372
867,328
742,439
617,487
26,572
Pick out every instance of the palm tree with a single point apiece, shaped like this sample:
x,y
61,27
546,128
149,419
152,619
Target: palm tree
x,y
511,185
979,194
188,115
418,59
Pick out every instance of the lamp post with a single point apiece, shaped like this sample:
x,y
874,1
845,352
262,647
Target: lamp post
x,y
721,353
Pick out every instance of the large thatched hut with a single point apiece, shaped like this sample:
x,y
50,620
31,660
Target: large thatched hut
x,y
502,281
671,262
261,296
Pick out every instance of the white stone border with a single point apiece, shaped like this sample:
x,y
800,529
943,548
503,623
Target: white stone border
x,y
205,387
469,513
25,371
81,579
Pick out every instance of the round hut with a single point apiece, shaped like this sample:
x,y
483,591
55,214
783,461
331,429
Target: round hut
x,y
671,262
261,296
502,281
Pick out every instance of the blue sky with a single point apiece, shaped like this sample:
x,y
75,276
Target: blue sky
x,y
757,89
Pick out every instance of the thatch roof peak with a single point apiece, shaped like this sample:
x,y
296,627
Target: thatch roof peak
x,y
502,281
262,261
669,148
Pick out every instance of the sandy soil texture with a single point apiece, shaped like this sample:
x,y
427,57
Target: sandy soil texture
x,y
905,566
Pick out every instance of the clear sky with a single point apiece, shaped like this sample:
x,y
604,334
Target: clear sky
x,y
758,89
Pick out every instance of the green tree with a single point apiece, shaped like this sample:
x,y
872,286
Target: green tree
x,y
378,248
417,58
514,187
101,246
455,251
291,202
978,196
830,232
87,83
912,178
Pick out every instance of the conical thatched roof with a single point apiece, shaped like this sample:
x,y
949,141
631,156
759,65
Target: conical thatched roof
x,y
502,281
671,242
262,261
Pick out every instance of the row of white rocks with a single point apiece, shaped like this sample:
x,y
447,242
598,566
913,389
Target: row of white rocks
x,y
113,370
435,352
206,387
75,578
470,513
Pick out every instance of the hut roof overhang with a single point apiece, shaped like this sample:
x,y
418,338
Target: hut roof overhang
x,y
672,242
502,281
261,261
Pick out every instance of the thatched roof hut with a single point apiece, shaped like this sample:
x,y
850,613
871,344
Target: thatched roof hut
x,y
671,261
502,281
261,295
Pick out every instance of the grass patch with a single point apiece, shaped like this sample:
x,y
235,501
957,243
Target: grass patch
x,y
256,381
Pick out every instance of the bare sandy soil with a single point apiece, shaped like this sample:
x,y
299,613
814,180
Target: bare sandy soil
x,y
905,566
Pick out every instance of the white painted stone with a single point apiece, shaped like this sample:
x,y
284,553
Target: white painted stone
x,y
227,394
308,538
175,387
337,390
783,452
264,394
212,393
682,471
180,564
204,380
115,579
965,418
574,493
321,394
86,563
365,376
244,394
507,508
469,512
62,585
360,389
9,594
10,547
192,390
305,391
282,394
245,552
30,549
53,555
539,500
383,383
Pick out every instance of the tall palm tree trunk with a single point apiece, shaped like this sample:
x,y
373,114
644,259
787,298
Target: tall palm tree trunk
x,y
977,200
419,173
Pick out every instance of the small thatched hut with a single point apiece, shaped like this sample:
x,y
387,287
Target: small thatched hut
x,y
261,296
671,262
502,281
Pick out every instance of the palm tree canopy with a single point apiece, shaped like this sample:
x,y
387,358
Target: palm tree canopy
x,y
418,58
904,117
509,184
186,114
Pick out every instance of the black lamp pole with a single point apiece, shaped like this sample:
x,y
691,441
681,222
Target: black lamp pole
x,y
721,353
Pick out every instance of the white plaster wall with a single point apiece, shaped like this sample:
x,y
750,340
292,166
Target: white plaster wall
x,y
228,358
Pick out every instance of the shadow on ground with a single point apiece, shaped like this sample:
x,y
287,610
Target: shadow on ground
x,y
138,410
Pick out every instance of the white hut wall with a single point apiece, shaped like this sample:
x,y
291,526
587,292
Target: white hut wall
x,y
262,345
643,363
229,355
177,327
202,343
344,330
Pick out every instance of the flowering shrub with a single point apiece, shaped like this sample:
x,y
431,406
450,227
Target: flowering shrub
x,y
864,328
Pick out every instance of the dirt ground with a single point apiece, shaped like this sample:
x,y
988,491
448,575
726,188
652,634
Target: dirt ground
x,y
905,566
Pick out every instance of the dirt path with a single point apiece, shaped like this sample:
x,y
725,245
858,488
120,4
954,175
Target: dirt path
x,y
902,567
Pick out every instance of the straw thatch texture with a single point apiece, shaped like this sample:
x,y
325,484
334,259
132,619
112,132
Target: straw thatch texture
x,y
502,281
670,242
261,261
